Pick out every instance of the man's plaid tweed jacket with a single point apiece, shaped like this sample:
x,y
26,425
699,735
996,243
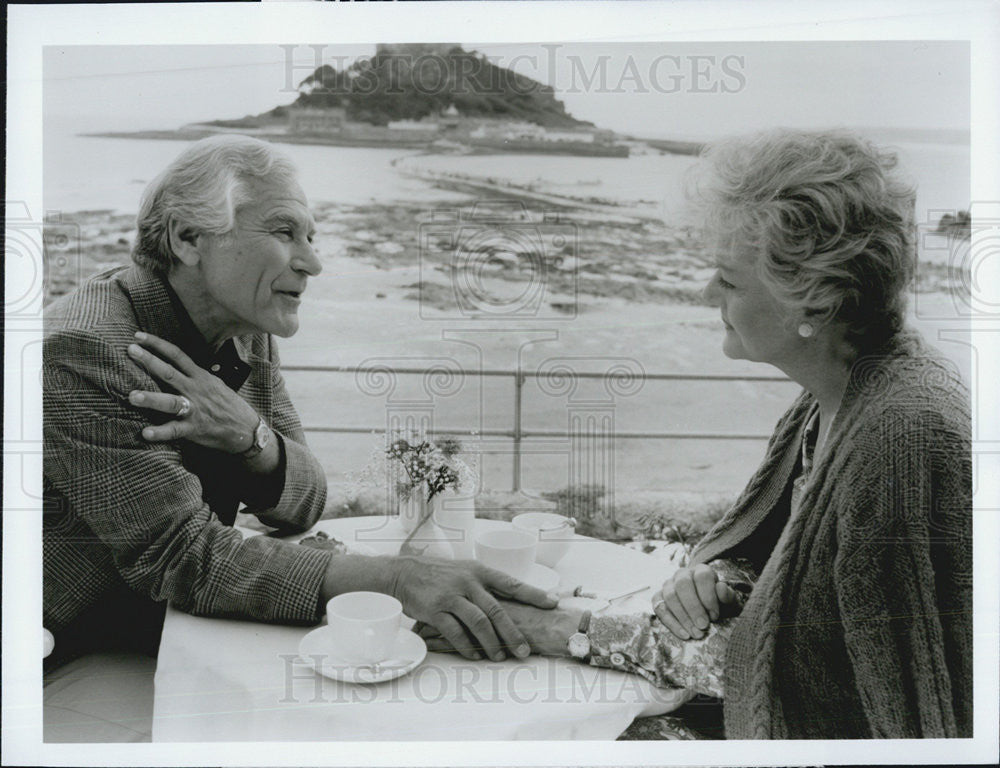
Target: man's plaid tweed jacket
x,y
120,511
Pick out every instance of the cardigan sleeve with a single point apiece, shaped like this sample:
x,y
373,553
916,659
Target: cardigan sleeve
x,y
902,576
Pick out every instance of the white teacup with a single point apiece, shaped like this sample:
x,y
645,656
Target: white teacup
x,y
507,550
554,533
363,626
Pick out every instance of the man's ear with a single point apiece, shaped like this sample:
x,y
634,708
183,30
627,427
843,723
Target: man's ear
x,y
185,242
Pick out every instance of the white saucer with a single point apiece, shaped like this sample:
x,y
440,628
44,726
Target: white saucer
x,y
407,652
543,577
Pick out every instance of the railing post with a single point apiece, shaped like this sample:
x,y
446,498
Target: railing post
x,y
518,384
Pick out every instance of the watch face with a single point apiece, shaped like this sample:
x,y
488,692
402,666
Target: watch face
x,y
579,645
262,436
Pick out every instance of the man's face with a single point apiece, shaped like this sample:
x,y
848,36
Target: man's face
x,y
255,275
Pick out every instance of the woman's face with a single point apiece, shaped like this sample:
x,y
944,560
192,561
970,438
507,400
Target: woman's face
x,y
758,328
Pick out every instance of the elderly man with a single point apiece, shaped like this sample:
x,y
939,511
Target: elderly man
x,y
164,409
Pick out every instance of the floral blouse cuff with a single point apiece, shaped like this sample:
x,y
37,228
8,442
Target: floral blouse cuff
x,y
640,644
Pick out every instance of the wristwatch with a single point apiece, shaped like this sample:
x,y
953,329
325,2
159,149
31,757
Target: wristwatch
x,y
261,438
579,643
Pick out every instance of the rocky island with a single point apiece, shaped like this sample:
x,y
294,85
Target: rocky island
x,y
437,97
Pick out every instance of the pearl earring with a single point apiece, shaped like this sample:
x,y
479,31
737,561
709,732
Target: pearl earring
x,y
805,330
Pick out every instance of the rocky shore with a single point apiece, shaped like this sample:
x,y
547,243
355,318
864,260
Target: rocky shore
x,y
602,251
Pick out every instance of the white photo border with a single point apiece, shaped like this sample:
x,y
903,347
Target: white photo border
x,y
32,27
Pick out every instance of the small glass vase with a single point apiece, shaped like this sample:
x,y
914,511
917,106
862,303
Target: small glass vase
x,y
423,535
456,516
414,509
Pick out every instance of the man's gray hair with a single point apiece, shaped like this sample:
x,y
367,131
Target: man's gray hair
x,y
202,188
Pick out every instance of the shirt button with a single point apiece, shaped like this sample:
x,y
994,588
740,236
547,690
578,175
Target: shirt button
x,y
216,368
617,660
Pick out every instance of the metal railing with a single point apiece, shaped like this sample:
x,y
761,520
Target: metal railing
x,y
518,433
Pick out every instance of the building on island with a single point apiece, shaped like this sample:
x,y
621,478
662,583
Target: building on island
x,y
584,136
604,137
451,120
484,133
415,128
507,129
321,121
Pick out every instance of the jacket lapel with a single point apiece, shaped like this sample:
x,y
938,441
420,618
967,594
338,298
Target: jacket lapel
x,y
151,303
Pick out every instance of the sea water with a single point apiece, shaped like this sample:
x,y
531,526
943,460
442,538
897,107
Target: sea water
x,y
95,173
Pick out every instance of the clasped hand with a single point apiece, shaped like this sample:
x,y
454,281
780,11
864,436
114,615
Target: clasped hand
x,y
545,631
458,599
692,598
207,411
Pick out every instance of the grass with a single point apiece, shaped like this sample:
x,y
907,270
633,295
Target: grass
x,y
626,516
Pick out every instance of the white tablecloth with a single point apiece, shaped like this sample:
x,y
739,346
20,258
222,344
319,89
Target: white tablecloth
x,y
224,680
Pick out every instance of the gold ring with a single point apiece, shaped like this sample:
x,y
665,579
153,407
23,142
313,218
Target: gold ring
x,y
185,407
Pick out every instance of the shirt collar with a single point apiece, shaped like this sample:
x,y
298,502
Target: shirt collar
x,y
225,362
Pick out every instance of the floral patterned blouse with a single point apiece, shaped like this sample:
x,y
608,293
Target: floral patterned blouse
x,y
640,644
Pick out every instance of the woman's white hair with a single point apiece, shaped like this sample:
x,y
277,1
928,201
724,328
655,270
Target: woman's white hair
x,y
829,224
202,188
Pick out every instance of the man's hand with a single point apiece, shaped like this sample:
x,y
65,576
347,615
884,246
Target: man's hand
x,y
691,599
456,597
547,632
208,412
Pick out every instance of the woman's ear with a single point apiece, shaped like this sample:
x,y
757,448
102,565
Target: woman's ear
x,y
184,242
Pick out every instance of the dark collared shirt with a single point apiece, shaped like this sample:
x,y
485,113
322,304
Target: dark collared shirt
x,y
221,473
225,362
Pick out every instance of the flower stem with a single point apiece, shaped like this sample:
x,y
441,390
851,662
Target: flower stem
x,y
407,548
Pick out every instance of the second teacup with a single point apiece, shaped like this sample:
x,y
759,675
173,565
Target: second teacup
x,y
507,550
554,533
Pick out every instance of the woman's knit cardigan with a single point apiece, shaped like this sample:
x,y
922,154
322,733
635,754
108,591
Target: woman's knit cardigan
x,y
860,624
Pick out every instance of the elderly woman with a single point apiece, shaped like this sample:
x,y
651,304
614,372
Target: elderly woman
x,y
860,516
856,528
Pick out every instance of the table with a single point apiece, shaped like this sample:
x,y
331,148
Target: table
x,y
226,680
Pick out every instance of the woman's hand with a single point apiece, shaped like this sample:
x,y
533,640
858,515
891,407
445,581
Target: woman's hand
x,y
456,598
207,411
547,632
691,599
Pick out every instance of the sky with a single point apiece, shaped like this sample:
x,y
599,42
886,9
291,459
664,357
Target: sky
x,y
684,90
